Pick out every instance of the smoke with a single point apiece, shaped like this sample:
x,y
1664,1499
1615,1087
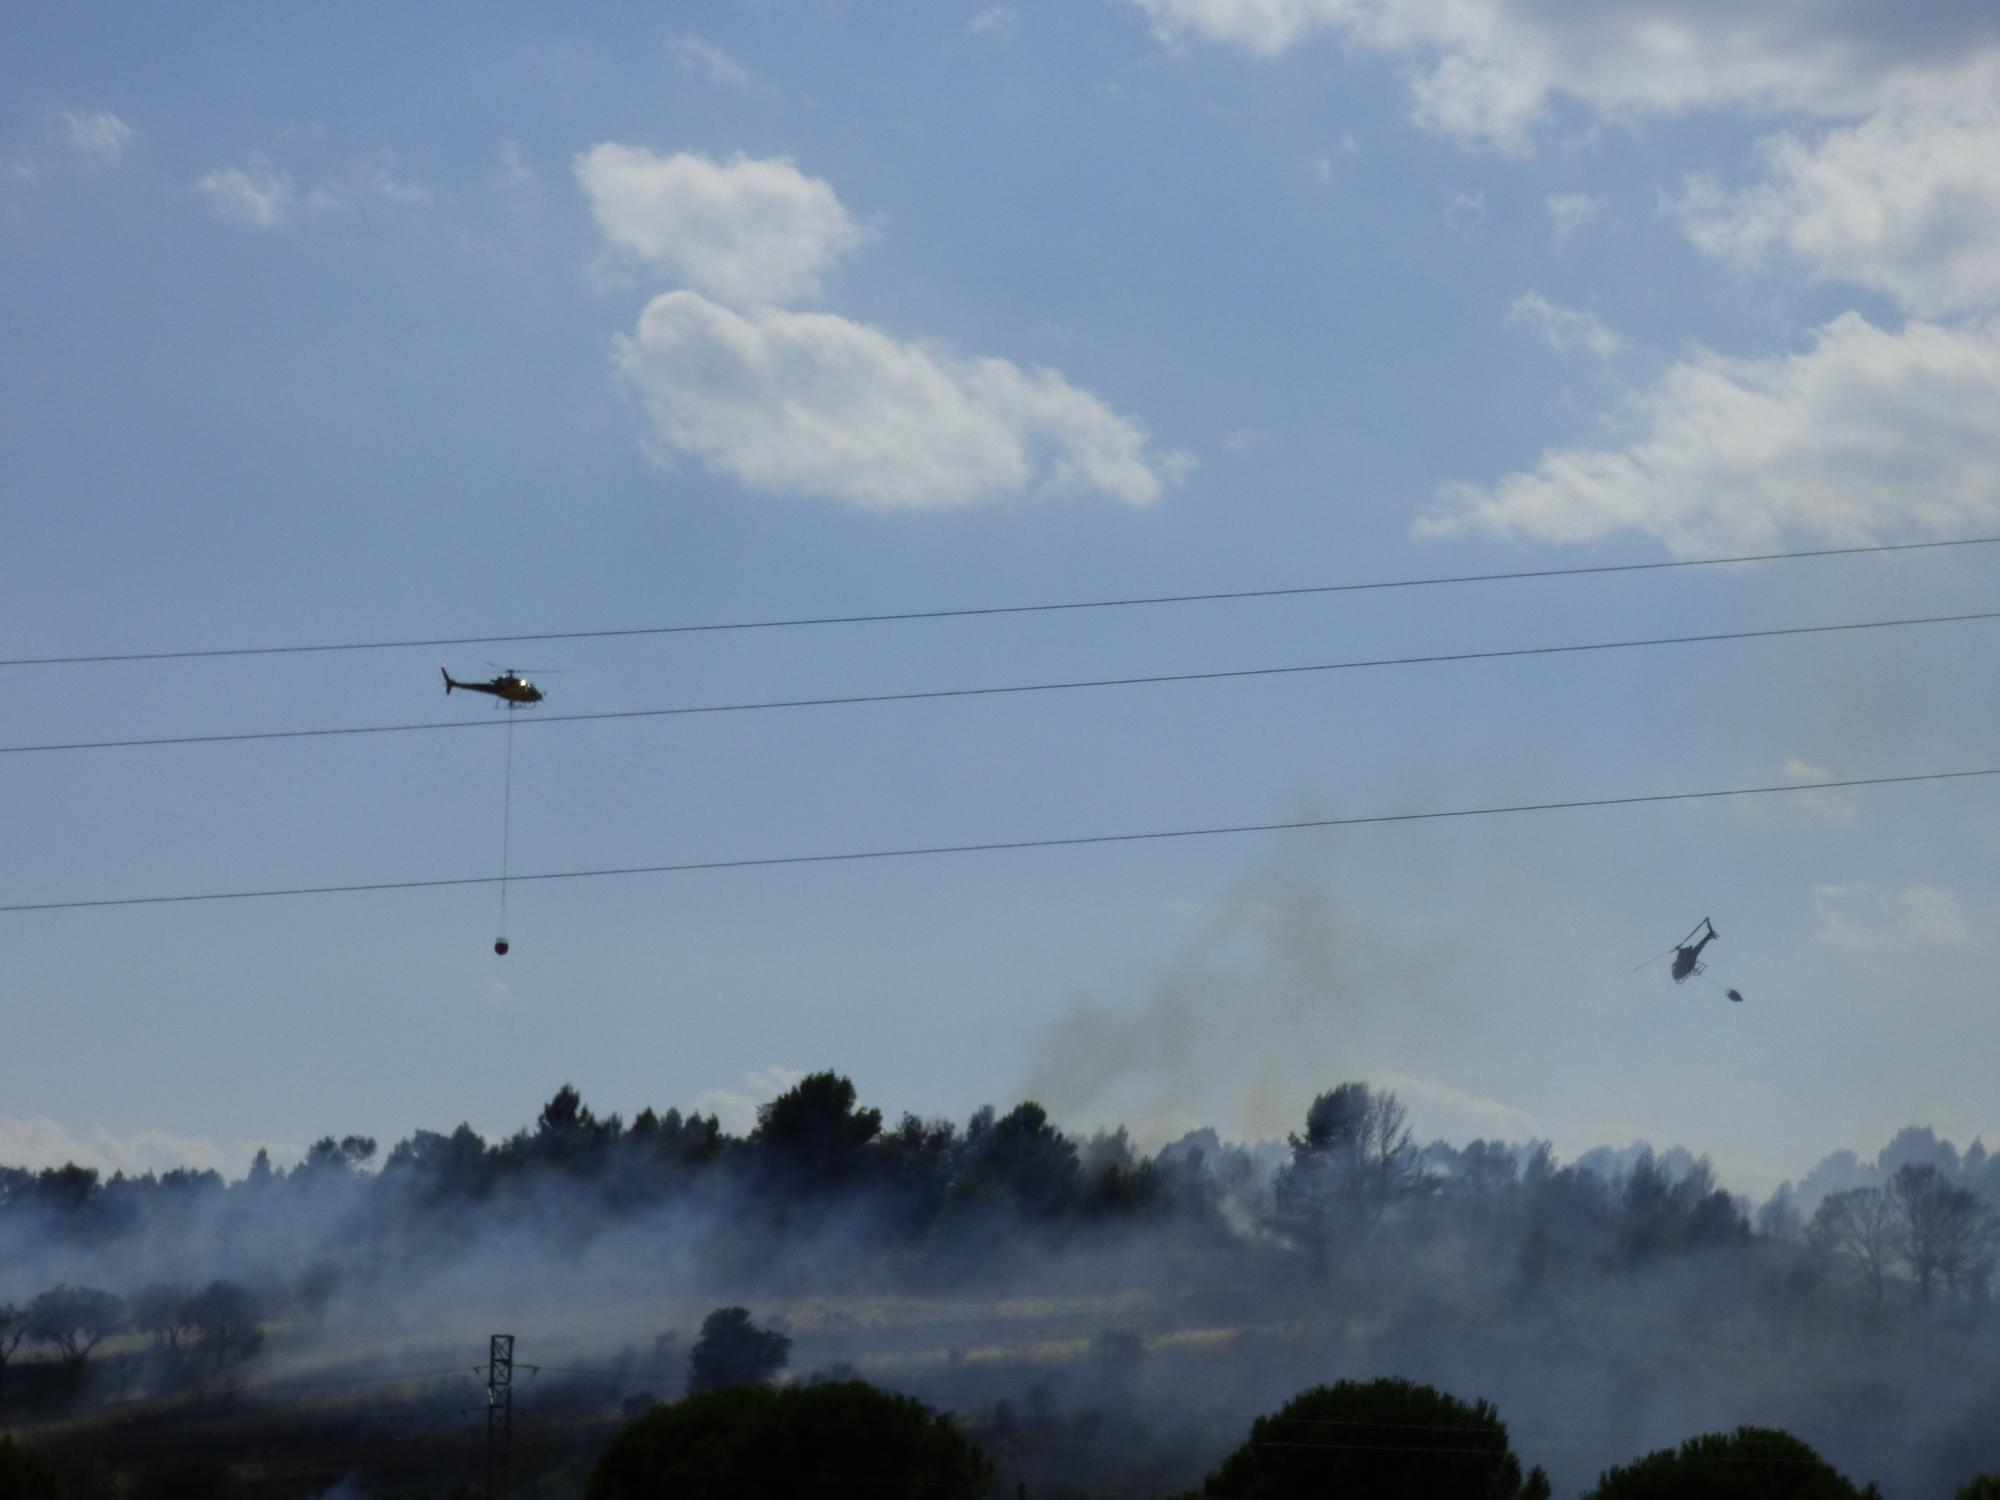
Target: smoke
x,y
1094,1314
1280,989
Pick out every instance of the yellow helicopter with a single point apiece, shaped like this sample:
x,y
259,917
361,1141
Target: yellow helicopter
x,y
510,687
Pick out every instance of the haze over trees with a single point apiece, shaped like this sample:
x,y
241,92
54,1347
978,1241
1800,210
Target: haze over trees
x,y
733,1351
1612,1283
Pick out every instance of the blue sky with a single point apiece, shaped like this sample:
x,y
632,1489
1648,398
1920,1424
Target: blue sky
x,y
361,324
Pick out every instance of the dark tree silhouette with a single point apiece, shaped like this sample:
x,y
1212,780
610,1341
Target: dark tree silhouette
x,y
567,1134
1943,1228
1377,1437
844,1436
76,1319
1751,1463
1020,1160
685,1144
1857,1229
813,1134
67,1188
437,1167
1354,1160
328,1157
315,1288
733,1351
13,1328
160,1311
229,1321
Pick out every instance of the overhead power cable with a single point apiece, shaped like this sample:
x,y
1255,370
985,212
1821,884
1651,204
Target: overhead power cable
x,y
849,700
1075,841
972,612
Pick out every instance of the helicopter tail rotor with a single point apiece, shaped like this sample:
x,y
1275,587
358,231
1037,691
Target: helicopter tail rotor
x,y
447,680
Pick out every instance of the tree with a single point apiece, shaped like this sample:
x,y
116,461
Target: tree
x,y
846,1436
1021,1159
1377,1437
733,1351
1779,1218
1858,1228
682,1144
13,1328
1355,1158
229,1321
315,1288
567,1134
813,1132
160,1310
328,1158
76,1319
68,1189
438,1166
1943,1227
1980,1486
1751,1463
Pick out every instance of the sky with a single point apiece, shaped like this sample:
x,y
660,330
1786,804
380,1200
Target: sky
x,y
359,324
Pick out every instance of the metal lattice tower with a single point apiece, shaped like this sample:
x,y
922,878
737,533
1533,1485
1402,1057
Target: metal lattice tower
x,y
499,1415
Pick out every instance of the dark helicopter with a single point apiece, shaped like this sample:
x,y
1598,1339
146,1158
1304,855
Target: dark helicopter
x,y
1687,957
510,687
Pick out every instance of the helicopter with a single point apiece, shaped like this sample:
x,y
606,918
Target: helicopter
x,y
1687,957
510,687
1687,960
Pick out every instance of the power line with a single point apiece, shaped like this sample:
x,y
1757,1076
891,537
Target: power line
x,y
1000,846
850,700
1140,601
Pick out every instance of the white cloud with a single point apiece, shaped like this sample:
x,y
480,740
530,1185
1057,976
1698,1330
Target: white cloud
x,y
514,175
1323,163
1487,72
1572,212
698,56
1443,1110
1932,914
1906,202
98,136
1892,187
256,195
265,197
1462,209
1866,434
74,139
1001,22
737,1111
39,1142
1859,916
816,405
1564,328
744,231
378,181
1833,807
